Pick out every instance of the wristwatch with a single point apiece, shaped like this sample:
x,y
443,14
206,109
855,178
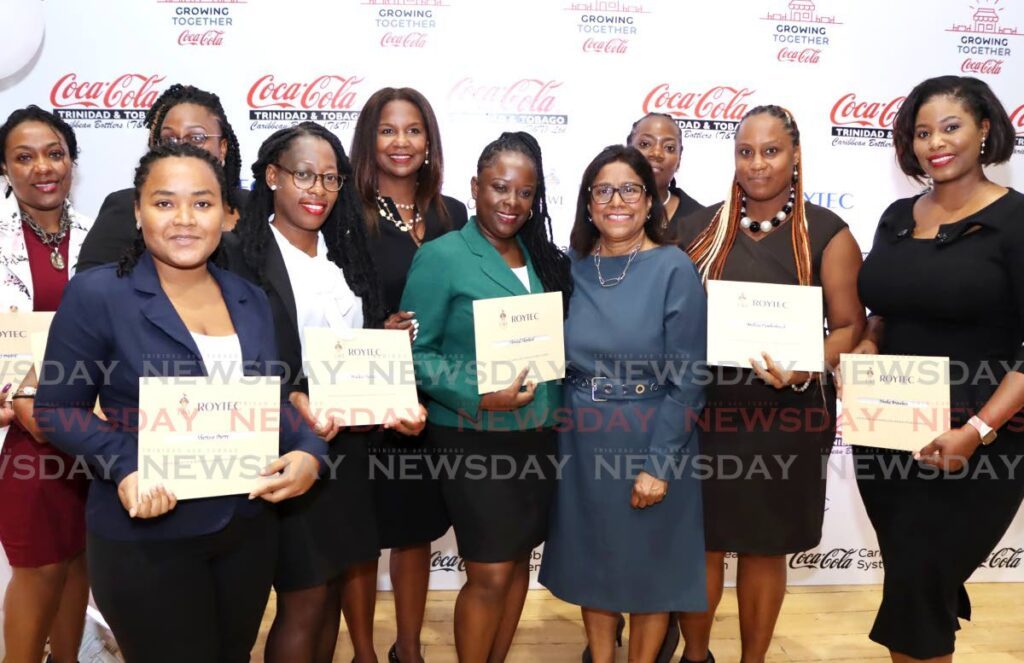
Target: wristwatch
x,y
987,433
24,392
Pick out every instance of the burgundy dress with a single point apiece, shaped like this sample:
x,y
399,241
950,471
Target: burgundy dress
x,y
42,502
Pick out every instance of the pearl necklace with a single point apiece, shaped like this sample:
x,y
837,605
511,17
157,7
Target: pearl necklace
x,y
385,212
767,225
609,283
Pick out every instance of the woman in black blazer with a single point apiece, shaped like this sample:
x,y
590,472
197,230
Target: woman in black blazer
x,y
182,114
201,569
302,239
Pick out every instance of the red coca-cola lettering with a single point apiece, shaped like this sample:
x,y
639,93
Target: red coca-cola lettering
x,y
327,92
847,110
128,91
411,40
1017,117
805,56
527,95
616,46
989,66
718,103
208,38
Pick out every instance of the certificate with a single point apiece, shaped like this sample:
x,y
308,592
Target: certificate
x,y
893,401
207,437
746,319
513,333
360,377
16,345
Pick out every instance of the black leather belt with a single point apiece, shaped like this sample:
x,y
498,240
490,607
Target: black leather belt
x,y
607,389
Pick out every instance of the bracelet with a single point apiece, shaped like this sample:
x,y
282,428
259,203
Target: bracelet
x,y
22,396
24,392
803,387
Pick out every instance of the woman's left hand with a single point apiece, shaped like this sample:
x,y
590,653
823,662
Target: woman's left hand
x,y
403,320
411,427
775,375
951,450
648,490
298,470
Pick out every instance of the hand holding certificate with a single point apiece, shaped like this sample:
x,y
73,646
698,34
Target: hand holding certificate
x,y
17,350
748,319
894,402
519,333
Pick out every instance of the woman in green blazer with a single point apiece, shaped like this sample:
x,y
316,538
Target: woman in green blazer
x,y
492,445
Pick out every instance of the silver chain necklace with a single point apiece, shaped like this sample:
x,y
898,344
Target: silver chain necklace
x,y
51,240
612,282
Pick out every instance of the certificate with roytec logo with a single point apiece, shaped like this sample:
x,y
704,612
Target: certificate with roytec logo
x,y
207,437
16,347
746,319
513,333
894,401
360,377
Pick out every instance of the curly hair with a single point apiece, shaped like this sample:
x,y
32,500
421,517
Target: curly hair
x,y
344,231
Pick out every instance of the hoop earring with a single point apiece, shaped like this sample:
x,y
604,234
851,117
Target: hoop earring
x,y
531,215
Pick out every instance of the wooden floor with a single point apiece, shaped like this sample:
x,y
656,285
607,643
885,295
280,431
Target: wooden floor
x,y
817,624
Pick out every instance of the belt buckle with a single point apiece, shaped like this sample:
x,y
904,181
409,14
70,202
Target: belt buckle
x,y
593,390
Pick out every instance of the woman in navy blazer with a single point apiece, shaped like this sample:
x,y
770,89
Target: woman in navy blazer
x,y
201,569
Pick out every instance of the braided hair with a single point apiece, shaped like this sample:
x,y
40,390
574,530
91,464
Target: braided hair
x,y
711,247
679,135
344,231
187,94
551,263
181,150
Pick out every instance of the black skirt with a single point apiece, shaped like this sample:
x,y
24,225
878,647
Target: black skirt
x,y
406,491
498,488
333,526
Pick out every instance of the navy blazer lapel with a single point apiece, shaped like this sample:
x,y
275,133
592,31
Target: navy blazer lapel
x,y
276,274
158,308
249,325
491,262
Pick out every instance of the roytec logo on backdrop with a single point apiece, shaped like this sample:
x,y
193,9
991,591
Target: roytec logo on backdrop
x,y
985,36
705,114
607,26
117,102
330,99
863,122
799,32
532,103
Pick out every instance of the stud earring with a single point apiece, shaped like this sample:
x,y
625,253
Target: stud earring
x,y
273,187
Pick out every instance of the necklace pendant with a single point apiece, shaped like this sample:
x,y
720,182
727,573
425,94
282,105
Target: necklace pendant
x,y
57,260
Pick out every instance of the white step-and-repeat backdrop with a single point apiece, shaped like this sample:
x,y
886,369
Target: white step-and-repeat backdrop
x,y
576,74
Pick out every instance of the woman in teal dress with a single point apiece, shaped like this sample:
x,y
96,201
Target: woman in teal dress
x,y
627,528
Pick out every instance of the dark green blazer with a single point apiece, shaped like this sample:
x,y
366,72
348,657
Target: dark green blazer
x,y
447,275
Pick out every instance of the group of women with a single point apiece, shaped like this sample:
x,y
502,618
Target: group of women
x,y
189,267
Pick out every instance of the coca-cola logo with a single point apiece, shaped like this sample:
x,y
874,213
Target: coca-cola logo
x,y
848,110
128,91
410,40
798,56
446,563
208,38
526,95
328,92
719,103
1017,118
616,46
990,66
836,558
1004,558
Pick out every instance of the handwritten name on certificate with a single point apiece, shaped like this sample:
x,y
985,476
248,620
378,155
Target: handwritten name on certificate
x,y
361,377
16,347
894,401
513,333
746,319
207,437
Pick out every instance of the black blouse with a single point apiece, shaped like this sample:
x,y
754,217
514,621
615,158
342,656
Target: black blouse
x,y
393,250
687,206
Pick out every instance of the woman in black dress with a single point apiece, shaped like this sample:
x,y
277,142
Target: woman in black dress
x,y
765,232
182,114
659,138
398,163
945,277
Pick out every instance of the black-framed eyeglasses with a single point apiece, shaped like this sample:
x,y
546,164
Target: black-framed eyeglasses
x,y
197,140
305,179
630,192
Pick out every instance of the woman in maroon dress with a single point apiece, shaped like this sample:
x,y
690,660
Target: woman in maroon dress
x,y
42,498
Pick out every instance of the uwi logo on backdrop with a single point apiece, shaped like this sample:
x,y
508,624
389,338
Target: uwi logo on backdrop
x,y
712,114
860,122
203,23
405,23
982,35
606,26
800,32
1017,117
118,102
331,99
530,103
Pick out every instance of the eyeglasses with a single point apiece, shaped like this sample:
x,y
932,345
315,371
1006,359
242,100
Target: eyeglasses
x,y
630,192
305,179
197,140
